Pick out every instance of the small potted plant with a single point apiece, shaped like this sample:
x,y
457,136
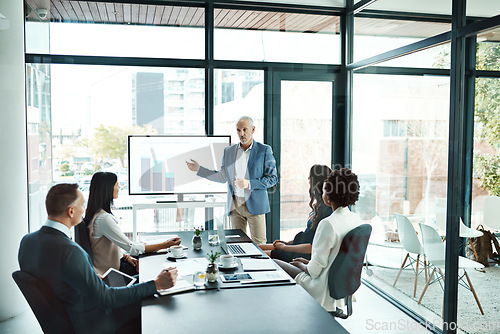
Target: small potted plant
x,y
197,241
212,269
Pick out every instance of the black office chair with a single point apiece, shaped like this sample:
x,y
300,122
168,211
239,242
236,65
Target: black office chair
x,y
47,307
83,239
344,277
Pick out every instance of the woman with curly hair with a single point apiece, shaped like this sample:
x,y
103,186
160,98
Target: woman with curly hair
x,y
301,245
340,190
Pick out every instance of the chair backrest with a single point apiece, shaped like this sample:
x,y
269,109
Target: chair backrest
x,y
83,239
408,235
491,215
433,245
344,276
48,309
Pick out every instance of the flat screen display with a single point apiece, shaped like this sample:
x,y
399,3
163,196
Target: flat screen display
x,y
157,164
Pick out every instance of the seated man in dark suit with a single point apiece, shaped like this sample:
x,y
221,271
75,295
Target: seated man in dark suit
x,y
52,256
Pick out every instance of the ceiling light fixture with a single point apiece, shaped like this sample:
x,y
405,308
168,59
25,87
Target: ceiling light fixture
x,y
42,13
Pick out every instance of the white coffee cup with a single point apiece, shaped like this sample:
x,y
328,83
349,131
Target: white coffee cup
x,y
176,251
226,260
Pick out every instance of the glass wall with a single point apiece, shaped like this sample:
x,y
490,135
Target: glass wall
x,y
400,153
374,36
306,132
486,180
116,29
39,139
435,57
276,37
80,116
238,93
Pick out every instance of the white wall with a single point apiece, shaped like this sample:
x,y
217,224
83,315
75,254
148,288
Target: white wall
x,y
13,170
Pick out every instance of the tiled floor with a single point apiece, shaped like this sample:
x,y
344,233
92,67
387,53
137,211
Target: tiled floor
x,y
371,314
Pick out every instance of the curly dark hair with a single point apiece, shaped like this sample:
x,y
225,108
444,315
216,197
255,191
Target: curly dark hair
x,y
342,187
317,175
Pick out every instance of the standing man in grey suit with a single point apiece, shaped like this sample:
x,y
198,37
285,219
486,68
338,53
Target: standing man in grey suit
x,y
249,168
53,257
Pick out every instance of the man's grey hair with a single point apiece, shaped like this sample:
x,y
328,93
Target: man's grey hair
x,y
246,118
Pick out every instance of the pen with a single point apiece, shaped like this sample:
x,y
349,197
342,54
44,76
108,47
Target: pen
x,y
259,257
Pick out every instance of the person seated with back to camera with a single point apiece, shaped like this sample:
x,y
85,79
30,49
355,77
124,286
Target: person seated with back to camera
x,y
340,190
301,244
105,236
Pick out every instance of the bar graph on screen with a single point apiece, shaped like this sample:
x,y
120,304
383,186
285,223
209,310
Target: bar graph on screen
x,y
157,164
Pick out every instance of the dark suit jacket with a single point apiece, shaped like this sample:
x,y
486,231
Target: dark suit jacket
x,y
51,256
261,171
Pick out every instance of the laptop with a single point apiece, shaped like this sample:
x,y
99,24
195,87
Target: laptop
x,y
236,249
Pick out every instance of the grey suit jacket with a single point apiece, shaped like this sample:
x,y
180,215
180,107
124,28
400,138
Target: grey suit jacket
x,y
51,256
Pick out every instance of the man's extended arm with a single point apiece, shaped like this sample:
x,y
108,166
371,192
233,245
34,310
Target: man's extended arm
x,y
79,274
213,175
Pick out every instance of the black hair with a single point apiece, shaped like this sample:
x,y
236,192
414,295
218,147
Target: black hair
x,y
317,175
100,195
342,187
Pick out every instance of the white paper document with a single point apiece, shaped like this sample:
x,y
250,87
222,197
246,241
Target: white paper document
x,y
187,267
156,238
257,264
267,276
180,286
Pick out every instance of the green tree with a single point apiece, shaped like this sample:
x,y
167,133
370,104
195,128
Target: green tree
x,y
108,143
64,167
486,117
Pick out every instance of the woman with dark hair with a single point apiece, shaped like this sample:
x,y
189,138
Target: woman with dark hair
x,y
300,246
106,238
340,190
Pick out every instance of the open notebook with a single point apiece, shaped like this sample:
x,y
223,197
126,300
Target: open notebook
x,y
180,286
185,268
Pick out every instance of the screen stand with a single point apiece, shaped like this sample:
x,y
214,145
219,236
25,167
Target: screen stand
x,y
180,198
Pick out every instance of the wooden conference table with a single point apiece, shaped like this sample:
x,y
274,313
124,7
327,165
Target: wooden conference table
x,y
252,309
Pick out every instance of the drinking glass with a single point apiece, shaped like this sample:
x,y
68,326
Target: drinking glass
x,y
213,239
199,279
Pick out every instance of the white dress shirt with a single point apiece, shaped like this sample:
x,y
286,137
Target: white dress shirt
x,y
106,225
241,167
58,226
